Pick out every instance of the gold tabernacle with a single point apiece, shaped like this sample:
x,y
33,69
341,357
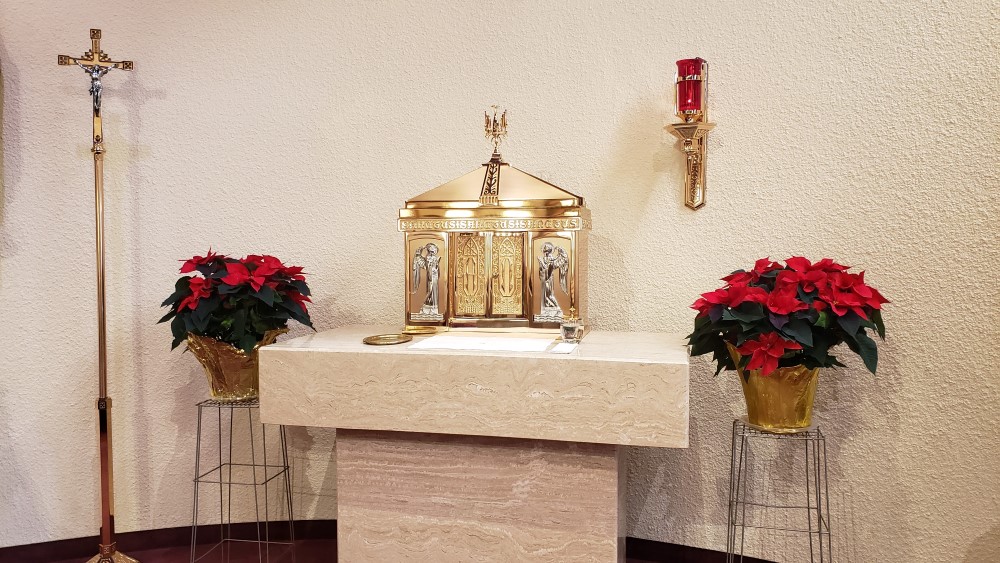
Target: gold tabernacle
x,y
494,249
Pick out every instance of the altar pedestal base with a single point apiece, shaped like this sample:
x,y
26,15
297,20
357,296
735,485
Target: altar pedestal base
x,y
412,497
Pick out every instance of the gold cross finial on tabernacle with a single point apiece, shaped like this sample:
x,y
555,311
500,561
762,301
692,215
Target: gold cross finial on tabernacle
x,y
95,56
495,126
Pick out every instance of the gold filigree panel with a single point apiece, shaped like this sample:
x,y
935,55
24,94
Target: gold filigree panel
x,y
508,274
470,275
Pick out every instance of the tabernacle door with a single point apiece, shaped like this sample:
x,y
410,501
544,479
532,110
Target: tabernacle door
x,y
507,275
470,275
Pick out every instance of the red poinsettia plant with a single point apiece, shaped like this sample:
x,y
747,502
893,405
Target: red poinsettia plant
x,y
236,300
785,315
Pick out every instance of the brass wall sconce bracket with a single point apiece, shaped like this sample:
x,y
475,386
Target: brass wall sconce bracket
x,y
694,139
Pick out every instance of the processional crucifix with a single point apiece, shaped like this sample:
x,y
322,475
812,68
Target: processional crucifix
x,y
97,64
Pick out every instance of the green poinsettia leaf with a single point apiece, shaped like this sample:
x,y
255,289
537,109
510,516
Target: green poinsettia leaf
x,y
747,313
200,324
266,294
206,270
720,366
851,322
226,289
182,288
179,331
247,342
258,324
301,287
239,326
167,317
800,331
188,322
879,325
702,346
868,351
822,341
206,307
743,336
823,321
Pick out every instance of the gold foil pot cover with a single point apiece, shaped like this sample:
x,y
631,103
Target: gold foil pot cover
x,y
781,402
232,375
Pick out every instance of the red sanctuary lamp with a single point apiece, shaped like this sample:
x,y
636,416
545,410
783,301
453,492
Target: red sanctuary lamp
x,y
690,97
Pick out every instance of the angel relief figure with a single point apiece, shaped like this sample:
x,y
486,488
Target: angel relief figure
x,y
430,263
553,259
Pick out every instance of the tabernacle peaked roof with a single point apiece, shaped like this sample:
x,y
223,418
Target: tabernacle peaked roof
x,y
515,188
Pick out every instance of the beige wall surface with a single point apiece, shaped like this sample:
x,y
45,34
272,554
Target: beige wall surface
x,y
865,131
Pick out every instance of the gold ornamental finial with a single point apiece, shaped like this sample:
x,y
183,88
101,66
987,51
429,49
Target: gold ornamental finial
x,y
495,127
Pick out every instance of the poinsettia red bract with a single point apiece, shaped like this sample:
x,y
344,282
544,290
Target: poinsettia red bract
x,y
236,300
766,350
783,315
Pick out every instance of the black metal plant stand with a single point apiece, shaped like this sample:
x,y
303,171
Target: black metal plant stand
x,y
260,474
811,518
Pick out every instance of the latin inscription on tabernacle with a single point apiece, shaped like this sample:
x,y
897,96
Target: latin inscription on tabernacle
x,y
570,224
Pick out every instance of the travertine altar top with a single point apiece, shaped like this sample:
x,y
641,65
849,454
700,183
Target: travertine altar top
x,y
615,388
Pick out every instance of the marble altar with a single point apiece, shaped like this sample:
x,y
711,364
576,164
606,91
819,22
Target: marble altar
x,y
460,455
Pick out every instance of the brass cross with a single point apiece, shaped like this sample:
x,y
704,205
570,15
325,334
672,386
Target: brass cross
x,y
96,63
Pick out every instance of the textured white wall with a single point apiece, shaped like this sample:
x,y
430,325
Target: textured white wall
x,y
864,130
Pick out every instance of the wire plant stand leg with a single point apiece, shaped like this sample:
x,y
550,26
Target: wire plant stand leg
x,y
819,500
253,467
288,487
222,519
229,487
731,523
826,499
197,472
267,511
823,502
741,495
809,507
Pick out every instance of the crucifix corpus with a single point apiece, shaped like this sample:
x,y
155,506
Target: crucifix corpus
x,y
97,64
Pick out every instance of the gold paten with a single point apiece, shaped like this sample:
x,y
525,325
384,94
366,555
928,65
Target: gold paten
x,y
96,63
232,374
494,237
693,133
782,402
386,339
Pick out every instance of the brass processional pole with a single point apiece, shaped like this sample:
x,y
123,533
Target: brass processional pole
x,y
96,64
